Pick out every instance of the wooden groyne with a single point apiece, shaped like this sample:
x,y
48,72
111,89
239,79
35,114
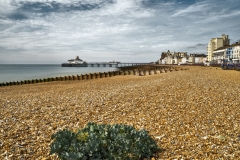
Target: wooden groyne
x,y
134,70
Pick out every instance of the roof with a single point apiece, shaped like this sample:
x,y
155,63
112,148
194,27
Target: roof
x,y
223,47
227,46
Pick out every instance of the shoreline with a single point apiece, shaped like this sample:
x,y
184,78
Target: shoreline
x,y
190,113
96,75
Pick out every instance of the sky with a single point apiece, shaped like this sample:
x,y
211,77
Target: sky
x,y
52,32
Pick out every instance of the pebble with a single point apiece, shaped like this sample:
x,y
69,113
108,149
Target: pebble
x,y
187,112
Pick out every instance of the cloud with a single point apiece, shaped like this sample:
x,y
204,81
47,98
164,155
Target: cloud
x,y
17,16
54,6
197,48
195,8
200,45
192,47
104,30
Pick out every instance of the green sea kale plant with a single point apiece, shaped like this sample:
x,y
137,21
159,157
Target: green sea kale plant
x,y
104,141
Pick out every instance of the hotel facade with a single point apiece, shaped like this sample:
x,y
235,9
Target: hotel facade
x,y
216,43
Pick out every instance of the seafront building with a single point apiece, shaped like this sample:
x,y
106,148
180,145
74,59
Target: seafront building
x,y
197,58
219,55
219,51
172,57
232,53
216,43
228,53
181,58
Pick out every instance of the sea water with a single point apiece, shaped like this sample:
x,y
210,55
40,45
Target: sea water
x,y
20,72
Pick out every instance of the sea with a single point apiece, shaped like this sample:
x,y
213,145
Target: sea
x,y
20,72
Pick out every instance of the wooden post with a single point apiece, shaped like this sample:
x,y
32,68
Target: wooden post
x,y
121,73
110,74
151,72
146,72
141,73
79,77
102,75
106,74
130,72
84,77
97,75
136,72
116,73
156,71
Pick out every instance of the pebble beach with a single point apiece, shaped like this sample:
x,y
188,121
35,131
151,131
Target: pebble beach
x,y
192,114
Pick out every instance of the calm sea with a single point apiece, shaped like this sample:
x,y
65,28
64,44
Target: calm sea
x,y
18,72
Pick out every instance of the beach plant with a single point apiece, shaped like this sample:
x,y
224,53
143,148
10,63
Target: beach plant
x,y
104,141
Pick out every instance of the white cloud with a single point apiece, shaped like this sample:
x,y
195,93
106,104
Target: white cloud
x,y
126,30
199,7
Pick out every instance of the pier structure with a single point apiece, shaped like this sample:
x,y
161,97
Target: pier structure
x,y
102,64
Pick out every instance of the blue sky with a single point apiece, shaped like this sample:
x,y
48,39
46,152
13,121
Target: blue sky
x,y
45,31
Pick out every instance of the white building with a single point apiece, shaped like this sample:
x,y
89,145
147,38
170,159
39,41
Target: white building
x,y
219,55
197,58
236,52
216,43
184,60
172,57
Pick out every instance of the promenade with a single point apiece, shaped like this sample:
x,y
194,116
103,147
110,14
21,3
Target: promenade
x,y
191,113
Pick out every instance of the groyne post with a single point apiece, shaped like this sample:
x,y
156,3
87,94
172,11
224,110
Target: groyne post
x,y
130,72
106,74
88,76
75,78
121,73
116,73
162,70
136,72
146,72
93,76
141,73
157,71
97,75
151,72
102,75
111,74
83,77
79,77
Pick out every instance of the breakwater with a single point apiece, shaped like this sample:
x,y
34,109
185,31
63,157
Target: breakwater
x,y
133,70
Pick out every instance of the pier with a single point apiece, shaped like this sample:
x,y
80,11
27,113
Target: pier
x,y
102,64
